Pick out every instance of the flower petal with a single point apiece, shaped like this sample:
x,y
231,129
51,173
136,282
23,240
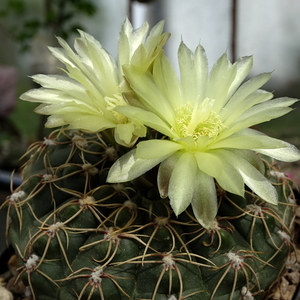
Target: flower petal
x,y
124,134
156,148
167,81
182,182
247,139
55,121
243,66
129,167
252,158
229,115
216,165
230,180
253,178
145,54
97,62
57,82
193,72
205,203
164,173
148,118
209,163
129,40
221,77
87,122
262,112
247,89
201,71
149,93
289,153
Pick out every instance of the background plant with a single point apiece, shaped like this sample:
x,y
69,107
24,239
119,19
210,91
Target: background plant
x,y
61,17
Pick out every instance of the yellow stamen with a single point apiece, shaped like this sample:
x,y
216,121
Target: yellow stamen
x,y
112,103
198,120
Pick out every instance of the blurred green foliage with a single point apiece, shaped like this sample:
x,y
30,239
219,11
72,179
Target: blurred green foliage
x,y
21,21
61,16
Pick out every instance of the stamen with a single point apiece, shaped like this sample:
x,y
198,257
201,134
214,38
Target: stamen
x,y
112,103
199,120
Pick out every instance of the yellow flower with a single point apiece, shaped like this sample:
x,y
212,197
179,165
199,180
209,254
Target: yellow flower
x,y
205,118
85,98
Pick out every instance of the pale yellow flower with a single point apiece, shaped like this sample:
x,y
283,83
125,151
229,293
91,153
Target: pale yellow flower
x,y
205,118
85,98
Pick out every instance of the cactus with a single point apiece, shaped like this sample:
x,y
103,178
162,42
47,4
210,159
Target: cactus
x,y
153,188
78,237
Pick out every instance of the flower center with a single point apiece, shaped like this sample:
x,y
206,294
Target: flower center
x,y
198,120
112,103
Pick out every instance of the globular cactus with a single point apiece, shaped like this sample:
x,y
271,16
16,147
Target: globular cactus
x,y
154,187
78,237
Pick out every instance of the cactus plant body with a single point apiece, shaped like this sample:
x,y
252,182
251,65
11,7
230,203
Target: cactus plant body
x,y
154,187
78,237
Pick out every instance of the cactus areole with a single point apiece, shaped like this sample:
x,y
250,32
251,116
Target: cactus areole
x,y
152,187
